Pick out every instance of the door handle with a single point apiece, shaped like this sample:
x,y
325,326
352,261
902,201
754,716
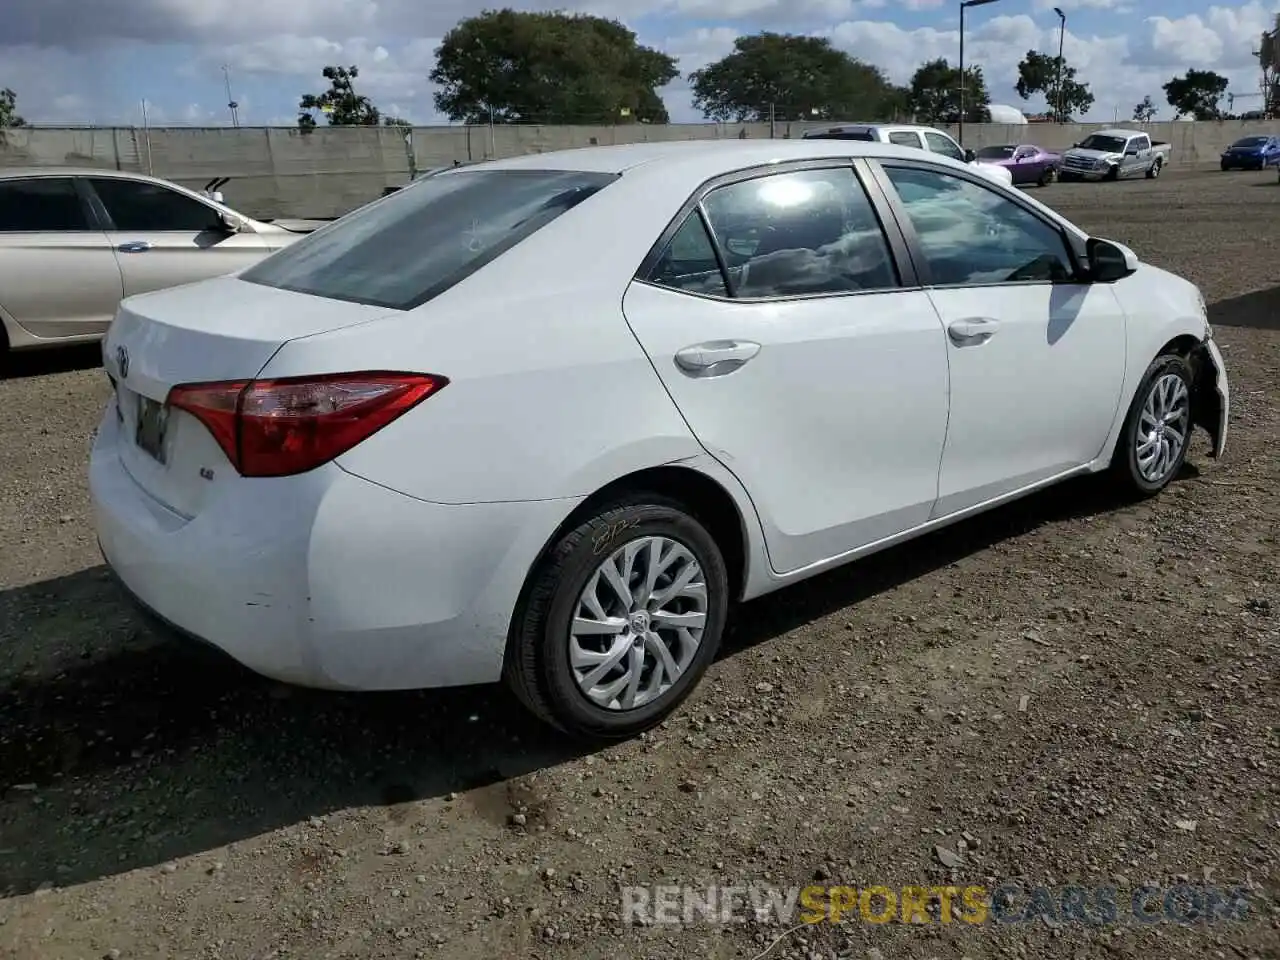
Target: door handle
x,y
715,358
135,246
972,330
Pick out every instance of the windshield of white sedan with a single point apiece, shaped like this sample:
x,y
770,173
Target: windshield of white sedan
x,y
1103,144
413,245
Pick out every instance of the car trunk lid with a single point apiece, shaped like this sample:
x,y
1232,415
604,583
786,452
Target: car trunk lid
x,y
183,335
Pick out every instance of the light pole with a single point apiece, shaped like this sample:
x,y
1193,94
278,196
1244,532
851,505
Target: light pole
x,y
1062,32
964,5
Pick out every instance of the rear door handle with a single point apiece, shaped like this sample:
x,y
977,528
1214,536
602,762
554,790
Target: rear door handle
x,y
972,330
135,246
715,358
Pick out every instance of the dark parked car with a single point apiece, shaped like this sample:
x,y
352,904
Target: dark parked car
x,y
1252,153
1025,162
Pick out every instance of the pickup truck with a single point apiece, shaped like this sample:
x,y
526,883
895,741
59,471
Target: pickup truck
x,y
912,135
1114,155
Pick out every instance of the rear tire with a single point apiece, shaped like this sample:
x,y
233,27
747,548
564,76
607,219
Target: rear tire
x,y
1155,169
1153,443
658,640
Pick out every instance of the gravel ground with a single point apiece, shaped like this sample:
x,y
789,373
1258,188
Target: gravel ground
x,y
1068,690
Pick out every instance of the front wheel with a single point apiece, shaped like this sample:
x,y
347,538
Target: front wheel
x,y
1048,177
1157,430
622,619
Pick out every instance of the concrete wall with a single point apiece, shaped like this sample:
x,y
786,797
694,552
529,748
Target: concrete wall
x,y
279,172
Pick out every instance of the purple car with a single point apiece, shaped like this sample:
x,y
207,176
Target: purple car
x,y
1025,161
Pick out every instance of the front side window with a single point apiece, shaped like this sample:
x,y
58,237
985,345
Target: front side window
x,y
800,233
402,250
943,145
41,204
905,138
689,262
971,235
135,205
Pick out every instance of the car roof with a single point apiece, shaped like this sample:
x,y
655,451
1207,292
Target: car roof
x,y
52,171
1120,132
727,155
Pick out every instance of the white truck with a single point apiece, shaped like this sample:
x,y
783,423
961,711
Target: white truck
x,y
911,135
1114,155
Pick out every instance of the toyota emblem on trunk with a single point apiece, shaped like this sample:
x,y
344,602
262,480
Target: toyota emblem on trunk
x,y
122,361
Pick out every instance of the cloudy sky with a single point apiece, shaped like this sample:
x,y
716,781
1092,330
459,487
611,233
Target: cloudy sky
x,y
95,60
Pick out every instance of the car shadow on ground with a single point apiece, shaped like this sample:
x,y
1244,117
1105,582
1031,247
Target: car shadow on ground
x,y
39,363
1259,310
137,749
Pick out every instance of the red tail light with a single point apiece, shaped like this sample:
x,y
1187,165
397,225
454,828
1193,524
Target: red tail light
x,y
274,428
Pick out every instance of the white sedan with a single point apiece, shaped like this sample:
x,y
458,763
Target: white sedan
x,y
547,419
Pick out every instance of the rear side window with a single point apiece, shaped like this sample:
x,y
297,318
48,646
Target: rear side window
x,y
799,234
41,204
905,138
403,250
689,262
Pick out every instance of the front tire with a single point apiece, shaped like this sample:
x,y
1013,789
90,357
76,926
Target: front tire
x,y
621,620
1157,429
1048,177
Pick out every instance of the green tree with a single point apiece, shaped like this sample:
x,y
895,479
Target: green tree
x,y
934,94
340,104
513,67
1197,92
9,109
1145,111
395,122
795,77
1038,73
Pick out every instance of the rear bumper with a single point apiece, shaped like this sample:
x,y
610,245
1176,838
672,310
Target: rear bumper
x,y
325,579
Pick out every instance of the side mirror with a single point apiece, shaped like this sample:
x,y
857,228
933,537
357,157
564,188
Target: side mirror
x,y
970,155
1109,261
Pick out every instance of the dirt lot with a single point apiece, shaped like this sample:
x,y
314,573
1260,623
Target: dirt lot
x,y
1087,690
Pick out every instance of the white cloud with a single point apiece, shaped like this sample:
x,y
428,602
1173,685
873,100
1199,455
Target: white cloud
x,y
75,60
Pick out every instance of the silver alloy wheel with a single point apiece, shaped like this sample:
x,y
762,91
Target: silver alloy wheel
x,y
1162,427
638,623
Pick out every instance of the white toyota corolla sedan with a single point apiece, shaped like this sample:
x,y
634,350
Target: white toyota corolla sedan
x,y
547,419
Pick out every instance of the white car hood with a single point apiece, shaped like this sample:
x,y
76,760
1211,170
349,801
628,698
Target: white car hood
x,y
993,170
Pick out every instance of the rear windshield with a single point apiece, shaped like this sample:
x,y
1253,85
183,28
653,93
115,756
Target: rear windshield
x,y
995,153
840,135
413,245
